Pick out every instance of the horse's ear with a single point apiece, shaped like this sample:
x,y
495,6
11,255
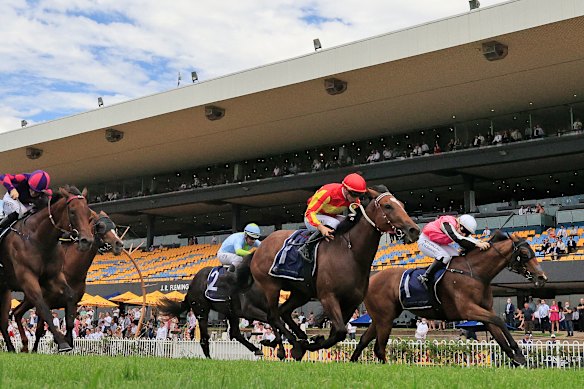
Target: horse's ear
x,y
63,192
84,193
372,193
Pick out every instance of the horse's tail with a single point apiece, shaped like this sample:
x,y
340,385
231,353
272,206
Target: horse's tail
x,y
243,277
172,308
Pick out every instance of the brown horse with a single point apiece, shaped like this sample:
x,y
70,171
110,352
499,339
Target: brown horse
x,y
250,305
76,264
342,271
464,291
30,257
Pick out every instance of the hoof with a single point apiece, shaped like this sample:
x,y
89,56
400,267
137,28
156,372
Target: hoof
x,y
267,343
64,347
258,353
298,352
317,339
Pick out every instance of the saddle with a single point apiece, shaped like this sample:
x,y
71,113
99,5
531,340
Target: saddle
x,y
413,294
289,263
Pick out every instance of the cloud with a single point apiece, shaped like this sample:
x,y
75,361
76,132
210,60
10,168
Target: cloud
x,y
59,56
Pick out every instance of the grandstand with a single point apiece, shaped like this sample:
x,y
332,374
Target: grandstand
x,y
426,83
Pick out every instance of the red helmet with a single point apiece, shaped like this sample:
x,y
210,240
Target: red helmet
x,y
355,183
39,180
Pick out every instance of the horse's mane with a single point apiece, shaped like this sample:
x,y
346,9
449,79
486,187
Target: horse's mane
x,y
43,201
351,221
498,236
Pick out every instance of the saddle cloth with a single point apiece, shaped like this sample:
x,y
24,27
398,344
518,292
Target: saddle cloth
x,y
413,295
216,291
288,263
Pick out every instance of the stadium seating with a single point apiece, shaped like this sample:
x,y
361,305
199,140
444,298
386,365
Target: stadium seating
x,y
182,263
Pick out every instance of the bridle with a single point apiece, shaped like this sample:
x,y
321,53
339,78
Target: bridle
x,y
393,229
74,233
516,261
99,231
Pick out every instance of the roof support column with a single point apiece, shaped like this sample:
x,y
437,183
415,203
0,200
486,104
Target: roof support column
x,y
150,221
469,194
235,217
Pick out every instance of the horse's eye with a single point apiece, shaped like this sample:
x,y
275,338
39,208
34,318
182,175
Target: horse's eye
x,y
387,206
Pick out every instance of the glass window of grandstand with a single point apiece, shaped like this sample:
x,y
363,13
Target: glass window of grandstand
x,y
475,133
577,117
553,121
510,128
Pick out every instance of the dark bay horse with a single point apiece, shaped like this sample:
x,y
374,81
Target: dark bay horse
x,y
250,305
342,273
76,264
465,294
30,257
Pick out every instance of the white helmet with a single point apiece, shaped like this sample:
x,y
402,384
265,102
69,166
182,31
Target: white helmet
x,y
468,222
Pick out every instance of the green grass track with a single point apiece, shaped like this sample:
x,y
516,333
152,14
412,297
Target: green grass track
x,y
64,371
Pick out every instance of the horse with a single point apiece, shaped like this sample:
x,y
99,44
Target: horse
x,y
464,291
76,264
250,305
29,253
342,271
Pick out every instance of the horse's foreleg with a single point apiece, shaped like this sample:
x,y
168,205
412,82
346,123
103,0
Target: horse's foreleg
x,y
32,291
5,300
70,311
504,338
18,313
294,301
366,338
235,333
38,334
338,332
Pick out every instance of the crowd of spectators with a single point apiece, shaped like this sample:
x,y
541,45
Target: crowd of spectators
x,y
560,242
394,147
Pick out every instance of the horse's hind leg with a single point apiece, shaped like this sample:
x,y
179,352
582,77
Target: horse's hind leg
x,y
235,333
18,313
202,314
338,332
366,338
38,335
5,300
33,292
294,301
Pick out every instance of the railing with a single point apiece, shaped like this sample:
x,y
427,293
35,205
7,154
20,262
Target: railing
x,y
410,352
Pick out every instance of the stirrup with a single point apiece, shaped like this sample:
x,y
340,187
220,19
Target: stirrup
x,y
423,280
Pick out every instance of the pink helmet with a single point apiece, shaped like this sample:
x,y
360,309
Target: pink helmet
x,y
39,180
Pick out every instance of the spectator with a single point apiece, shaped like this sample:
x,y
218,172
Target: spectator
x,y
192,322
417,151
519,319
528,316
476,142
580,311
421,329
554,317
213,239
516,135
544,311
509,313
387,154
568,318
437,149
561,232
351,329
571,246
498,139
539,208
425,148
311,321
577,125
528,133
277,171
316,165
486,231
527,339
538,132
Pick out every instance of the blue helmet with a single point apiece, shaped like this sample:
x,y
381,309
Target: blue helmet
x,y
252,230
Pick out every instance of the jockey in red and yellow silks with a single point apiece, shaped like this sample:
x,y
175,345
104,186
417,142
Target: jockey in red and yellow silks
x,y
330,201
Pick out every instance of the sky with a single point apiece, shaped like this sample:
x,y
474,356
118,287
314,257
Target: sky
x,y
58,56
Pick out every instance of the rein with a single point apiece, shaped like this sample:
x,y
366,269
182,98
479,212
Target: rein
x,y
396,231
73,230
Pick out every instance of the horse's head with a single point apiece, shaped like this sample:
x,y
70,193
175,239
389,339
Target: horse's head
x,y
79,215
389,215
105,230
523,260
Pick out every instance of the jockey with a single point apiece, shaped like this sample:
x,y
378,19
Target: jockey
x,y
325,207
437,236
23,190
238,245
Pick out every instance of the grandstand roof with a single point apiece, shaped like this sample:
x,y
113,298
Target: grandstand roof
x,y
412,78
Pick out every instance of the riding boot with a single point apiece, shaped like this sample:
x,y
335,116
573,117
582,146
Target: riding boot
x,y
426,278
5,223
306,248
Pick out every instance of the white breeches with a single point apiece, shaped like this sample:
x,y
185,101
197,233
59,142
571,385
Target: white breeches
x,y
227,259
330,221
435,250
11,205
